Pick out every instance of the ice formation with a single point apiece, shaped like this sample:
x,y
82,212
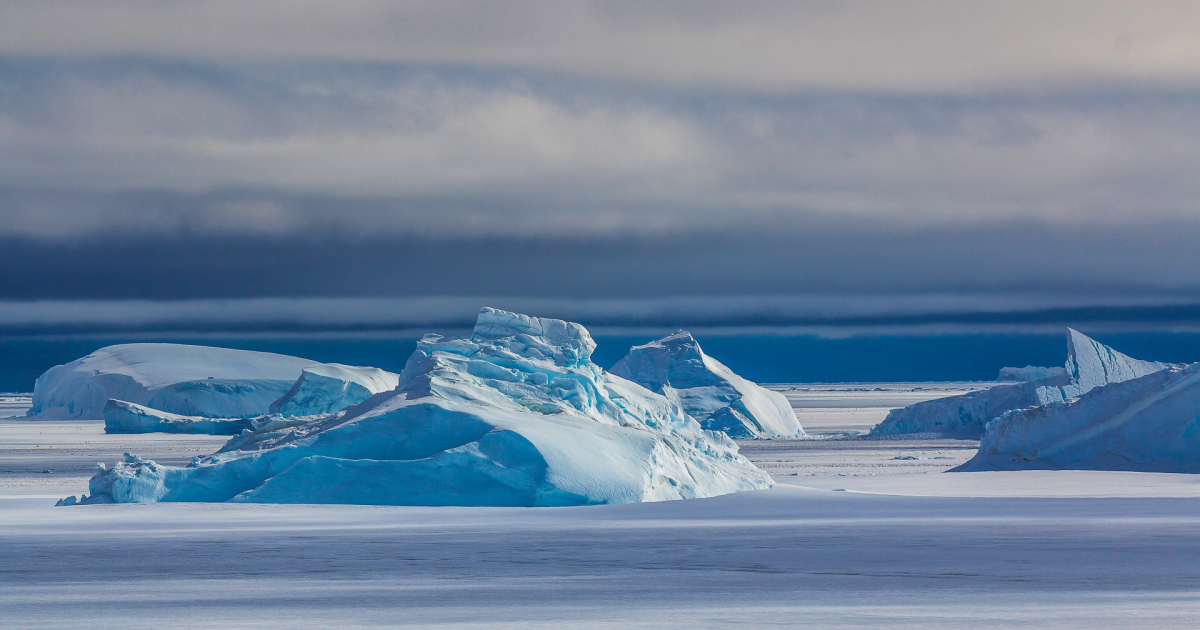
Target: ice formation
x,y
1151,423
676,367
1029,373
331,387
127,417
516,414
179,379
1090,364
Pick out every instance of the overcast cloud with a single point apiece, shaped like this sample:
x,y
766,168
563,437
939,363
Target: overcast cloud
x,y
611,150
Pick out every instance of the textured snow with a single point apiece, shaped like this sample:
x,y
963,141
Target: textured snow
x,y
332,387
180,379
517,414
1090,364
126,417
1029,373
1151,423
678,368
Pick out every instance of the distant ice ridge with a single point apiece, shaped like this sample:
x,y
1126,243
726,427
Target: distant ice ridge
x,y
677,367
1090,364
1030,373
127,417
175,378
332,387
1150,423
516,414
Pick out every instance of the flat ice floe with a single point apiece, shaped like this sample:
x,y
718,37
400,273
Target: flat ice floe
x,y
1151,423
1089,364
678,368
176,378
516,414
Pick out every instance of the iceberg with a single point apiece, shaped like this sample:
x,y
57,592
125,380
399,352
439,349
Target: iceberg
x,y
516,414
1090,364
1030,373
720,400
179,379
1150,423
331,387
126,417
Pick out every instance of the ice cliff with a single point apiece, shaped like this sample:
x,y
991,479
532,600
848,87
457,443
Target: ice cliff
x,y
1151,423
1090,364
332,387
720,400
515,414
178,379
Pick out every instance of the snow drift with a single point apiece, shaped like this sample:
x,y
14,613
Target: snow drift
x,y
332,387
1090,364
516,414
720,400
178,379
1151,423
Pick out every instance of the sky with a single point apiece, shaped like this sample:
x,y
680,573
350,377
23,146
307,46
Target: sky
x,y
220,163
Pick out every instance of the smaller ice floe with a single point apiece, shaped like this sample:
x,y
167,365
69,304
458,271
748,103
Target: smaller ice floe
x,y
516,414
1150,423
1090,364
676,367
1030,373
331,387
126,417
175,378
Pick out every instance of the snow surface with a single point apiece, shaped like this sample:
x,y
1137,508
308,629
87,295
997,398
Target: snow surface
x,y
676,367
1151,423
1090,364
1029,373
176,378
516,414
126,417
331,387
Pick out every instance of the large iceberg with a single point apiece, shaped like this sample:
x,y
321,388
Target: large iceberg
x,y
1151,423
126,417
516,414
676,367
1029,373
331,387
1090,364
178,379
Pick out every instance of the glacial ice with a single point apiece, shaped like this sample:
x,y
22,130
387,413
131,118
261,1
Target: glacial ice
x,y
720,400
332,387
515,414
1090,364
1029,373
175,378
127,417
1150,423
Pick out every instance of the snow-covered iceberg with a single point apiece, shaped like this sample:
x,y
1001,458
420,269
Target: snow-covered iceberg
x,y
1090,364
1029,373
677,367
331,387
516,414
1151,423
179,379
126,417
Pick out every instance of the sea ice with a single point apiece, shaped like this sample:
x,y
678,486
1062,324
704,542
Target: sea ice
x,y
516,414
331,387
179,379
1150,423
676,367
1090,364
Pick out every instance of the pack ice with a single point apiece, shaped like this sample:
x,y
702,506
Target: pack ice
x,y
720,400
1151,423
178,379
1090,364
517,414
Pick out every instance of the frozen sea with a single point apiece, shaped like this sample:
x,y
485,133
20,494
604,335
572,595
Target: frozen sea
x,y
858,533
